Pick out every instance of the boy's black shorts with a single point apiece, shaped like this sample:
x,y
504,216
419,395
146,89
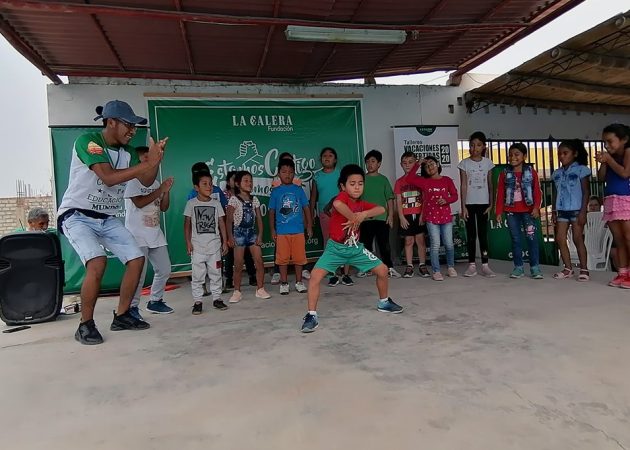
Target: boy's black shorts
x,y
414,227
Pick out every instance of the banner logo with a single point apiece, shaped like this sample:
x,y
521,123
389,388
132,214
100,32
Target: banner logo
x,y
273,122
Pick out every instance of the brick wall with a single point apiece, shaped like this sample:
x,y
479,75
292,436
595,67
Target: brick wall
x,y
15,209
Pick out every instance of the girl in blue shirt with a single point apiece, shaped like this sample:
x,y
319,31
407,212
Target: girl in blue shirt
x,y
571,193
614,169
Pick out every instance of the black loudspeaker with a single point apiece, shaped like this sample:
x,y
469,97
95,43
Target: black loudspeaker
x,y
31,277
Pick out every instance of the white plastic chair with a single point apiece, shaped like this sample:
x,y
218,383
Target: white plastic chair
x,y
598,240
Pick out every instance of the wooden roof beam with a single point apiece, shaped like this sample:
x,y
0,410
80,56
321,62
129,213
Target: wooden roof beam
x,y
512,100
611,62
569,85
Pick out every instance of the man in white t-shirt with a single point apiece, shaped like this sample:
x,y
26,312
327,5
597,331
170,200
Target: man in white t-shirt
x,y
143,206
102,162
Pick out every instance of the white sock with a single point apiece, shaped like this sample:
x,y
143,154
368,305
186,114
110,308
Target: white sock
x,y
313,313
384,299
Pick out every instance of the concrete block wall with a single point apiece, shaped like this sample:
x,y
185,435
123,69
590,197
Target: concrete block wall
x,y
15,209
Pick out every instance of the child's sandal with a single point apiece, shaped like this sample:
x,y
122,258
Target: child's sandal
x,y
584,275
565,273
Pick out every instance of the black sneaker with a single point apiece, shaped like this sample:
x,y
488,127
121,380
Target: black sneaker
x,y
333,281
423,271
218,304
346,280
197,308
127,322
87,334
252,281
408,272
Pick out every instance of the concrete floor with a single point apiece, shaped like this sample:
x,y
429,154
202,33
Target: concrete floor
x,y
471,364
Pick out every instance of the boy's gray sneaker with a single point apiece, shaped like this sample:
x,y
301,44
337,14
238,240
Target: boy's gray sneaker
x,y
310,323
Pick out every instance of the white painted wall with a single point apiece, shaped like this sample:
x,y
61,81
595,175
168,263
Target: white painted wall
x,y
383,107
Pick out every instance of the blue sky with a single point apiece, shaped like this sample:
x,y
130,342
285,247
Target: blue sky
x,y
25,148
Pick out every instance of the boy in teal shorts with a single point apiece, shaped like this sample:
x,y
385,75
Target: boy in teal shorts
x,y
343,246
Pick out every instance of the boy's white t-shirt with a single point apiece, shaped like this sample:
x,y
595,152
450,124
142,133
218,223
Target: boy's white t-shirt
x,y
144,223
204,217
477,174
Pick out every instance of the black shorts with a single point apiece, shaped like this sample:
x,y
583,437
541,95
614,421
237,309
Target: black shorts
x,y
414,227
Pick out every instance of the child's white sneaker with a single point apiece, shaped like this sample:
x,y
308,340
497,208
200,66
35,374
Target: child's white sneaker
x,y
300,287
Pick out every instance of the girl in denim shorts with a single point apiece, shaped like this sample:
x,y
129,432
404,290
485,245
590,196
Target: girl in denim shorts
x,y
571,193
244,229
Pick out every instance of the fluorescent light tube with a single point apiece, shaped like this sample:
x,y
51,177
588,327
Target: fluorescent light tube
x,y
344,35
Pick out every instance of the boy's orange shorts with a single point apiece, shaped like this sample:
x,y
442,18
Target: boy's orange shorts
x,y
290,249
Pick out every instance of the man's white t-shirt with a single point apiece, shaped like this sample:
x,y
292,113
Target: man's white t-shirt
x,y
144,223
477,174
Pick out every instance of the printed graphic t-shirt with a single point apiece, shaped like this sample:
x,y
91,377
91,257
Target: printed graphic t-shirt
x,y
288,202
144,223
205,216
477,176
411,197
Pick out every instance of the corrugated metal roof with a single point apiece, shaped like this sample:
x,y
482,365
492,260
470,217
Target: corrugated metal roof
x,y
236,40
589,72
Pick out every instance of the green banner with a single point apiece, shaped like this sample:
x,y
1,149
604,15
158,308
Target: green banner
x,y
228,135
249,135
62,142
500,242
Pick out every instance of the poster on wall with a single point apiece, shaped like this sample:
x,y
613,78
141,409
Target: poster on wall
x,y
430,140
249,135
441,143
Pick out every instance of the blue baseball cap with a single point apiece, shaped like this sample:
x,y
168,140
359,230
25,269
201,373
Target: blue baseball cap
x,y
117,109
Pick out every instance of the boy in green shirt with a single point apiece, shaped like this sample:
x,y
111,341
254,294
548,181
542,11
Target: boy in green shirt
x,y
378,190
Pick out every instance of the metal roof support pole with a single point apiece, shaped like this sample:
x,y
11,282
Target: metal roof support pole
x,y
184,35
272,29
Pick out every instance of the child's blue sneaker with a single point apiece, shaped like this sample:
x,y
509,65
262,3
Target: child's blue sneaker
x,y
518,272
389,306
310,323
159,307
537,273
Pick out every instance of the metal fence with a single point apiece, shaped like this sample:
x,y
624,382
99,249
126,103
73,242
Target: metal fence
x,y
543,155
